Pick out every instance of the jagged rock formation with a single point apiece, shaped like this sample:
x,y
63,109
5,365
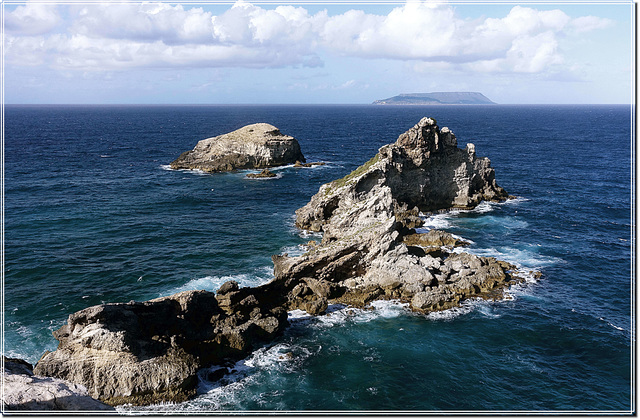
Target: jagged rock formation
x,y
251,147
147,352
370,249
24,391
423,170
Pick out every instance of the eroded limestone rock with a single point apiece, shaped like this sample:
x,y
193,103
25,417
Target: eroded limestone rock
x,y
424,169
24,391
148,352
254,146
370,249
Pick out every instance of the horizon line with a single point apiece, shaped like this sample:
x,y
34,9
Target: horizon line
x,y
298,104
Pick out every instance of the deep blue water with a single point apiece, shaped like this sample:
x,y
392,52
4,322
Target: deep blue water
x,y
92,215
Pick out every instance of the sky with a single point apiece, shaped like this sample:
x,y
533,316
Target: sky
x,y
315,53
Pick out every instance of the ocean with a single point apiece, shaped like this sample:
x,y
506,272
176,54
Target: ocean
x,y
93,214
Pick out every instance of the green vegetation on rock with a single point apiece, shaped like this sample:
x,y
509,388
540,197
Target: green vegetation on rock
x,y
339,183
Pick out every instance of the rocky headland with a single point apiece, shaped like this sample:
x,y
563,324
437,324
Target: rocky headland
x,y
254,146
147,352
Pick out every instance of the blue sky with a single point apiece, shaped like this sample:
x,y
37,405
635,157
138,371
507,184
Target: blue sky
x,y
258,53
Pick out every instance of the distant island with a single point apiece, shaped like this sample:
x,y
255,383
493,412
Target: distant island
x,y
437,98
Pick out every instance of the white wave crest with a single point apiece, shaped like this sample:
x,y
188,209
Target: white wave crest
x,y
339,314
515,201
524,259
191,171
611,325
305,234
484,207
449,314
212,283
270,357
437,221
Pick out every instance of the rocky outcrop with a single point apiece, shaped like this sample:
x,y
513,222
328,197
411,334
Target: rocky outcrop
x,y
148,352
370,249
423,170
254,146
25,392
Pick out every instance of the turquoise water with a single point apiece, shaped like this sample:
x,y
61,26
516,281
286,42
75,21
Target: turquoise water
x,y
94,215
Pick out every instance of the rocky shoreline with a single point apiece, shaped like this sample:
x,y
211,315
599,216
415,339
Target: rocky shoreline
x,y
149,352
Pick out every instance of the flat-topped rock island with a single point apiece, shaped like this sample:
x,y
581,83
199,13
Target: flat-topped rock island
x,y
255,146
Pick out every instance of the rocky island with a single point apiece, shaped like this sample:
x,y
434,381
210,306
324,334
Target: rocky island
x,y
437,98
254,146
148,352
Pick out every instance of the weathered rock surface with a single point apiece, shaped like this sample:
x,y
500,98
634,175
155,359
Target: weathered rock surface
x,y
148,352
24,391
433,240
251,147
423,170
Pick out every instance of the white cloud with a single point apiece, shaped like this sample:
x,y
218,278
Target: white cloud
x,y
143,22
31,19
524,21
85,53
527,54
121,36
413,31
589,23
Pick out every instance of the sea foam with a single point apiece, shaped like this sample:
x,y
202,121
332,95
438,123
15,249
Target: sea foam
x,y
438,221
338,314
258,277
524,259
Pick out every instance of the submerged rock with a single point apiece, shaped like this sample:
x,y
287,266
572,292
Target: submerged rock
x,y
264,174
299,164
24,391
254,146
